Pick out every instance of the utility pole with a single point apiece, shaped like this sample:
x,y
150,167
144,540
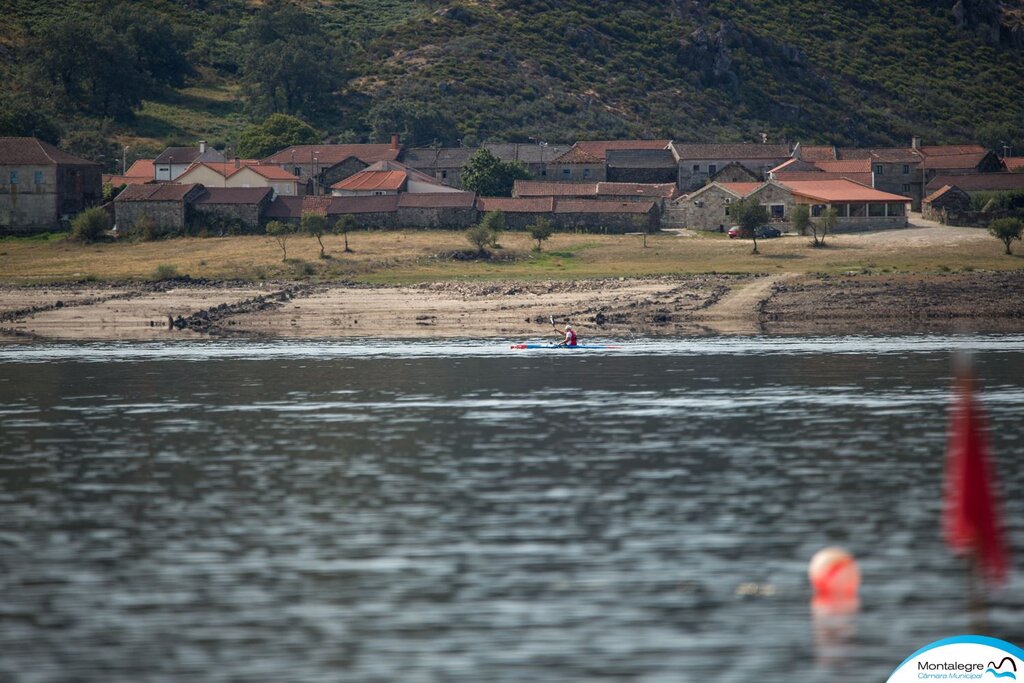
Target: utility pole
x,y
124,160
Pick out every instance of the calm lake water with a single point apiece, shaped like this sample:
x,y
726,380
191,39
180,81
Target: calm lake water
x,y
238,511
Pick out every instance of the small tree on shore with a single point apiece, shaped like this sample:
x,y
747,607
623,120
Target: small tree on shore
x,y
90,225
801,218
281,232
749,214
344,226
1006,230
315,224
823,226
540,230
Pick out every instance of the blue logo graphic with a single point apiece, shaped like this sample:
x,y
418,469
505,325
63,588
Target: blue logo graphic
x,y
994,669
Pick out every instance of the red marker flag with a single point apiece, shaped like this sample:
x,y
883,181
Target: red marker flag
x,y
971,520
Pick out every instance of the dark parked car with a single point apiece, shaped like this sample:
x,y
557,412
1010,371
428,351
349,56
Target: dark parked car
x,y
762,232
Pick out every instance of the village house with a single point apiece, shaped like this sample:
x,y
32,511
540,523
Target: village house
x,y
582,215
697,163
241,173
588,160
452,210
389,178
446,163
735,172
979,182
318,167
244,206
641,166
657,192
169,205
42,186
945,204
174,161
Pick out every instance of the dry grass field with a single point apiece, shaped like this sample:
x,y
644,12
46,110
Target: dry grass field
x,y
402,257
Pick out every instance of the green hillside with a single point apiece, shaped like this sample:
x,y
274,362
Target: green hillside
x,y
864,72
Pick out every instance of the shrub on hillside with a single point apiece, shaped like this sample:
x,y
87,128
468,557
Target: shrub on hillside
x,y
90,225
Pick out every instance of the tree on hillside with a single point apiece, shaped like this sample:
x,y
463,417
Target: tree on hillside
x,y
1006,230
801,218
315,224
417,124
22,115
95,144
291,65
823,226
489,176
749,214
540,230
275,133
486,233
281,231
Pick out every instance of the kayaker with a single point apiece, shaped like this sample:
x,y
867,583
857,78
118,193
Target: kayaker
x,y
570,336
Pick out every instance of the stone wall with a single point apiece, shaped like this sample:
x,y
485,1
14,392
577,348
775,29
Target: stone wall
x,y
576,173
168,215
248,215
605,223
29,207
706,211
770,195
641,175
440,217
893,179
338,172
379,220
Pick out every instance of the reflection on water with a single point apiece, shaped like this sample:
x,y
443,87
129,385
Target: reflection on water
x,y
462,512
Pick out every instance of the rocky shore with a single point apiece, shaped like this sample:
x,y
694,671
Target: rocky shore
x,y
664,306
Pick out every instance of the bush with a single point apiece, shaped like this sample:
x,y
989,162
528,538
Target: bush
x,y
165,271
481,237
540,230
145,228
90,225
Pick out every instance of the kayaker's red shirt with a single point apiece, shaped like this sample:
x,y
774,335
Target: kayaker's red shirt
x,y
570,337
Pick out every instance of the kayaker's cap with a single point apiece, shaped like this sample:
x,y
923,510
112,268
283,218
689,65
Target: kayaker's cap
x,y
568,326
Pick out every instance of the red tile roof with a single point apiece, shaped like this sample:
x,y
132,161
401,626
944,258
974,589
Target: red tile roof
x,y
367,181
979,182
1014,164
840,191
845,166
818,153
938,193
862,178
951,150
601,206
541,188
30,151
510,205
955,161
329,155
742,189
141,168
234,195
272,172
370,204
439,200
663,190
118,180
892,155
594,151
158,192
316,204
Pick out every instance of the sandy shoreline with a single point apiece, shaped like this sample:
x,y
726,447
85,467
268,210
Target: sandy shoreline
x,y
664,306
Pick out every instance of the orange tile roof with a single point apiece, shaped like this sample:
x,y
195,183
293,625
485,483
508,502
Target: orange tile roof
x,y
666,190
845,166
840,191
316,205
1014,163
938,193
372,180
862,178
594,151
818,153
541,188
141,168
117,180
329,155
951,161
509,205
272,172
742,189
947,150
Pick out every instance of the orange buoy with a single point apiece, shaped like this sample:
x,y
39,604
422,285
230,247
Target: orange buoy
x,y
834,573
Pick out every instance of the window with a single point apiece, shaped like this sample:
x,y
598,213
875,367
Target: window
x,y
586,173
778,211
896,209
876,210
699,203
878,169
816,210
727,210
444,175
696,168
906,169
566,172
906,187
14,177
297,170
858,210
543,172
39,177
712,168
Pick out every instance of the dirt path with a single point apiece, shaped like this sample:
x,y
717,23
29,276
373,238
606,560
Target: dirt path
x,y
739,311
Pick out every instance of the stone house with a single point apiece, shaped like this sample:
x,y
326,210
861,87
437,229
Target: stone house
x,y
588,215
657,192
42,186
587,160
858,207
174,161
519,213
168,204
447,163
708,207
449,210
242,205
979,182
945,202
697,163
735,172
241,173
641,166
896,170
318,167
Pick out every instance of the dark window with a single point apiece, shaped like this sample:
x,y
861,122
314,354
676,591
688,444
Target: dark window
x,y
816,210
906,169
298,170
586,173
712,168
876,210
896,209
39,177
567,172
778,210
906,187
878,169
444,175
696,168
14,177
543,172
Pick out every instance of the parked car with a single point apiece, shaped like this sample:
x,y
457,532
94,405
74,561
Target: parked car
x,y
762,232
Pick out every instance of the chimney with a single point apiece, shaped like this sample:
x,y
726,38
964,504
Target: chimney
x,y
394,141
238,162
202,146
915,143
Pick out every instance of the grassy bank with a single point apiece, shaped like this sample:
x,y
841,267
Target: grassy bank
x,y
412,256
